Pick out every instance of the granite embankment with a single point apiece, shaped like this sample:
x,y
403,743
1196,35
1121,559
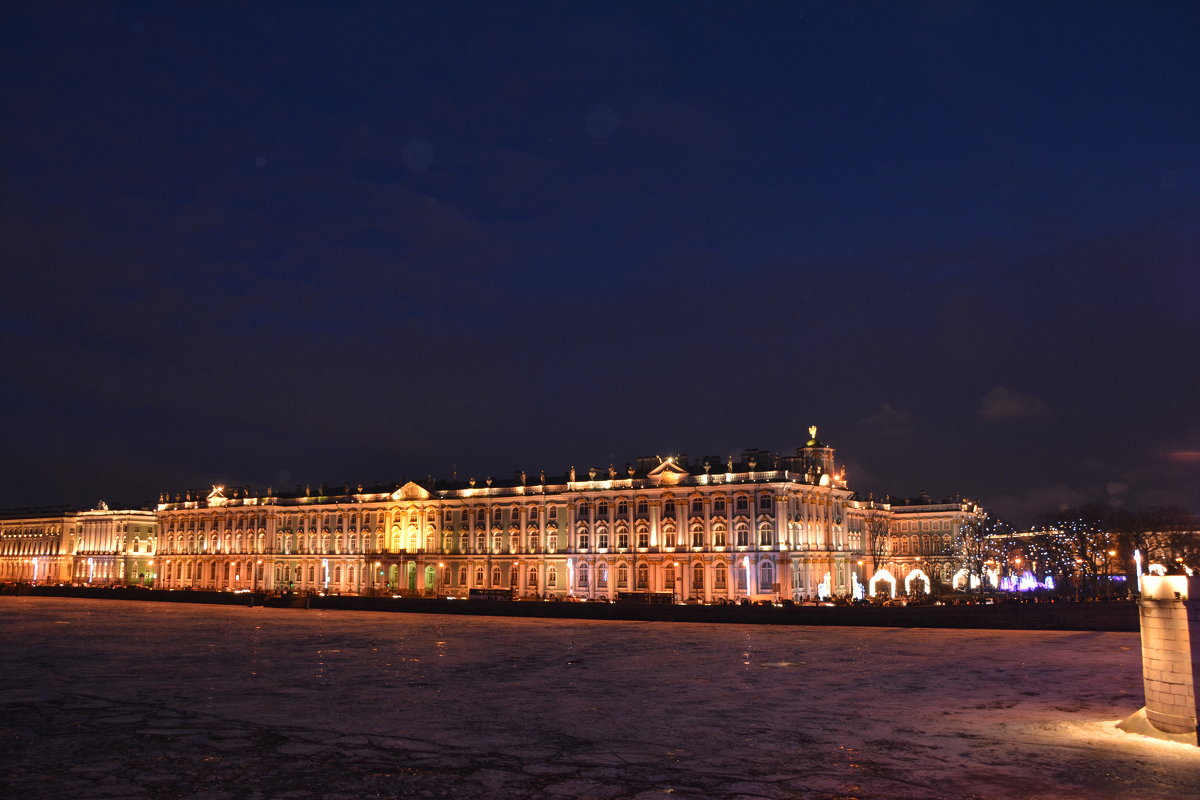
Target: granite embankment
x,y
1062,616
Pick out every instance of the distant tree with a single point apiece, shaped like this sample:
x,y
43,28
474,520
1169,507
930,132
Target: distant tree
x,y
877,532
978,546
1097,540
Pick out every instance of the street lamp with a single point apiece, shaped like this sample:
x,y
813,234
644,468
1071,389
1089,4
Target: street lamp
x,y
438,581
679,580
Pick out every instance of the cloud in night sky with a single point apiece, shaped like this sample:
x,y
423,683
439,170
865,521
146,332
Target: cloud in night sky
x,y
1002,403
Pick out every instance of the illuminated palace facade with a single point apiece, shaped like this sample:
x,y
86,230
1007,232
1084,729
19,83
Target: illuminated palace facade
x,y
762,526
101,547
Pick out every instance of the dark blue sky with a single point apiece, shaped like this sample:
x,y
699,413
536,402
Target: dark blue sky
x,y
292,243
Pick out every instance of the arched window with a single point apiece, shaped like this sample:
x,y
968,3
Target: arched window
x,y
643,536
584,542
622,537
766,576
479,576
698,578
622,576
719,573
766,534
496,574
697,531
602,537
643,576
531,579
719,537
668,536
742,532
462,576
551,577
582,576
602,576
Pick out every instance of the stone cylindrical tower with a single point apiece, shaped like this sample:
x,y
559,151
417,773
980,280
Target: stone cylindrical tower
x,y
1170,622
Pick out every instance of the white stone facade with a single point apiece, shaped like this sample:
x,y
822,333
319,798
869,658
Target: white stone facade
x,y
102,547
763,528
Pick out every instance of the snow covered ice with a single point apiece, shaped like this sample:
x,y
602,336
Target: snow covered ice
x,y
161,700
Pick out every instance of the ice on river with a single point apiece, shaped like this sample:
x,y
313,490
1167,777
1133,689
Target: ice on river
x,y
162,700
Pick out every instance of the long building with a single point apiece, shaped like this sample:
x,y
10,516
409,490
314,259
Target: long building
x,y
762,526
100,547
759,526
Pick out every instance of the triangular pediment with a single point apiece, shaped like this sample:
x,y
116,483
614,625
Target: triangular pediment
x,y
411,491
217,496
667,472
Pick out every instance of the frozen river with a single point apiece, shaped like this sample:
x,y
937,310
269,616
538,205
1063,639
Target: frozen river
x,y
121,699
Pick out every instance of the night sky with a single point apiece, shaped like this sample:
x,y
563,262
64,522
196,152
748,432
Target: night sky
x,y
278,244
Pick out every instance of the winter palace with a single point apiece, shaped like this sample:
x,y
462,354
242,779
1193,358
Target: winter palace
x,y
761,526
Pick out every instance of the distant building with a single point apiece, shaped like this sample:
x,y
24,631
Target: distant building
x,y
914,547
101,547
762,526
